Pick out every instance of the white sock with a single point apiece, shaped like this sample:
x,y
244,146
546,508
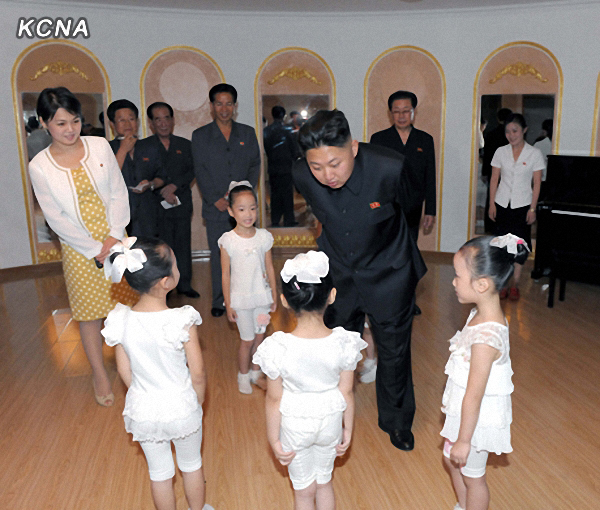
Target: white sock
x,y
255,375
368,364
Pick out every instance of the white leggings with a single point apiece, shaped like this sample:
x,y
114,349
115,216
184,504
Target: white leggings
x,y
247,322
476,461
160,458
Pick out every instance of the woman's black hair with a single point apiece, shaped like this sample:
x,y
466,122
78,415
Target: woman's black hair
x,y
307,297
517,118
240,189
159,264
51,99
486,261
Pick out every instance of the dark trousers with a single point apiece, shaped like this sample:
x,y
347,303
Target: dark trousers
x,y
282,198
214,230
177,233
394,385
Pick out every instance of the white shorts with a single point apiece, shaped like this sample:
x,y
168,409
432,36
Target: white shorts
x,y
476,461
247,323
314,441
160,458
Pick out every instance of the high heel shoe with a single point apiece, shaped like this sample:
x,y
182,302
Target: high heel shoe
x,y
106,400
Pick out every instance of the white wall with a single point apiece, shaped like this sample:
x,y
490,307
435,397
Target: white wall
x,y
125,38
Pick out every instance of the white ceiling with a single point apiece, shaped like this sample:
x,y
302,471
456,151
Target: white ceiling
x,y
316,6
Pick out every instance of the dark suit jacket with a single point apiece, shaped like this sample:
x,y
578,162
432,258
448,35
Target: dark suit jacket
x,y
217,162
365,234
146,164
420,179
281,147
178,169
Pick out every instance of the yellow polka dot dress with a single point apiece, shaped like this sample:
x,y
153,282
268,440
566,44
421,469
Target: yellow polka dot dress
x,y
91,295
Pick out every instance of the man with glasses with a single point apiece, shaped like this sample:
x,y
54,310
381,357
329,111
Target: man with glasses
x,y
417,147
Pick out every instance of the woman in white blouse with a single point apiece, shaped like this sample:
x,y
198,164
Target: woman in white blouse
x,y
81,191
513,202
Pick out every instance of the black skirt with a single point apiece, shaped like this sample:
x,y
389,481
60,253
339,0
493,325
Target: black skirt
x,y
513,221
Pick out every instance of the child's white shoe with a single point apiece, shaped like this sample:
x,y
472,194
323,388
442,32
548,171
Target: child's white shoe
x,y
369,371
458,507
205,507
256,378
244,384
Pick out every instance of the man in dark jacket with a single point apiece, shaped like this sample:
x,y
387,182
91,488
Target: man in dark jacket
x,y
357,192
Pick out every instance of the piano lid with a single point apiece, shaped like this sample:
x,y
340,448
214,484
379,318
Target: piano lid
x,y
573,180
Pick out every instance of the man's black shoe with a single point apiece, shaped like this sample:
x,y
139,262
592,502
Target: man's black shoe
x,y
402,439
217,312
191,293
417,310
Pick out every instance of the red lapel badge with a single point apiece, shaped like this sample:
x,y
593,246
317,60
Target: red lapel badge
x,y
374,205
178,151
419,149
241,143
145,159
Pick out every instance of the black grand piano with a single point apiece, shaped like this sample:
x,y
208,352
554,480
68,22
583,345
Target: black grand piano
x,y
568,222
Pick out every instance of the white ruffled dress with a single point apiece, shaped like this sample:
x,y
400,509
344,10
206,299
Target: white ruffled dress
x,y
492,433
161,403
310,369
249,282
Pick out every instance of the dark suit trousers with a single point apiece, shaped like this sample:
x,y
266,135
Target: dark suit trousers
x,y
176,231
394,385
214,230
282,198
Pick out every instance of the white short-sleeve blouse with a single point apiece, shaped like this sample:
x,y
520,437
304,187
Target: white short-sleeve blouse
x,y
515,176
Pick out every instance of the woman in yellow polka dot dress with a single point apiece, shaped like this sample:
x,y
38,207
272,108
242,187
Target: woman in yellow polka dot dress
x,y
81,191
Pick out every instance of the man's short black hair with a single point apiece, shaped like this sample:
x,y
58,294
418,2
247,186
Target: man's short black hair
x,y
278,112
503,114
402,94
326,128
158,104
222,87
120,104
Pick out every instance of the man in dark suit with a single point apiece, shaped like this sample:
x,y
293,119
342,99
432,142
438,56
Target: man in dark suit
x,y
358,193
141,167
417,147
223,151
493,140
175,217
282,150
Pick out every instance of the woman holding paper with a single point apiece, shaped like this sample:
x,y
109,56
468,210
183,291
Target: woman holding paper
x,y
81,191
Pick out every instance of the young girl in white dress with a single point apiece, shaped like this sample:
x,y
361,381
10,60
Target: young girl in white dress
x,y
248,279
477,400
310,404
159,359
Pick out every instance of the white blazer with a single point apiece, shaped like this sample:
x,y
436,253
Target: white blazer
x,y
515,176
56,194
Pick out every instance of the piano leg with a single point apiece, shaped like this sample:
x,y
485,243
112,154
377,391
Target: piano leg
x,y
562,288
551,285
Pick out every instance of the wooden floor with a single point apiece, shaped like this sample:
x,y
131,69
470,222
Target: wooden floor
x,y
60,450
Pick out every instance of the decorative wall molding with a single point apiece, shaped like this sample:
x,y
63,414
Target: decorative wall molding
x,y
61,68
295,73
518,69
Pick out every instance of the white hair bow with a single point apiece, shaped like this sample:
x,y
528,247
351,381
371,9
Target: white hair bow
x,y
510,241
233,184
307,267
133,260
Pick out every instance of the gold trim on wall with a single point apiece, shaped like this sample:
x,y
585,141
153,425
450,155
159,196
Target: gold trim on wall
x,y
443,118
295,73
594,145
147,66
18,123
258,113
477,115
518,69
61,68
294,241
